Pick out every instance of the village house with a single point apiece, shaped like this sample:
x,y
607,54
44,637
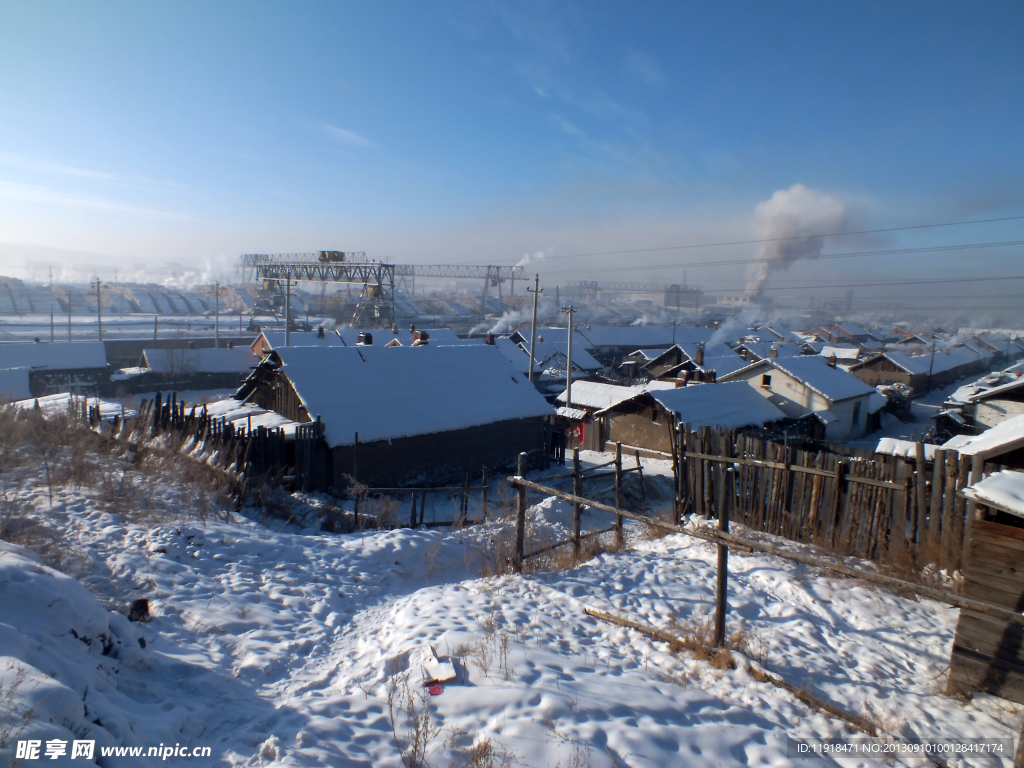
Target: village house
x,y
646,419
810,386
924,372
187,369
407,415
61,366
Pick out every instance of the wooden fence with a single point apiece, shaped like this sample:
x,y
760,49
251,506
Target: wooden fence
x,y
867,505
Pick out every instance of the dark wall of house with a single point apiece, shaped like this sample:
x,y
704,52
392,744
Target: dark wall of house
x,y
180,382
443,458
90,381
636,428
1009,460
126,353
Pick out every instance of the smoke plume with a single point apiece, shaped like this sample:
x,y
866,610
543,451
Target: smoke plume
x,y
797,212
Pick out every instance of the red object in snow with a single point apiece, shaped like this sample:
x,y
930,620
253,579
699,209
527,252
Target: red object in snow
x,y
435,689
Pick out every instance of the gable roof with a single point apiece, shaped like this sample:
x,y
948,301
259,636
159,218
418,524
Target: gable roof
x,y
386,393
598,396
814,372
729,405
644,336
276,339
58,355
1002,438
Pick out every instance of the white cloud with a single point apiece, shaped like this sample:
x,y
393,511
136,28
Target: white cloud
x,y
351,138
645,69
29,193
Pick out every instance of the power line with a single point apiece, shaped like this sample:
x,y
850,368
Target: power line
x,y
876,283
783,239
851,254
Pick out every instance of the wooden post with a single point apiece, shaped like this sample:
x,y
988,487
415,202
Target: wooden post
x,y
921,490
723,577
412,512
977,470
678,452
640,472
355,475
935,508
483,495
618,487
517,556
577,490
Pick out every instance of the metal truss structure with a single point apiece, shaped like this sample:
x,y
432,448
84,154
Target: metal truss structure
x,y
377,299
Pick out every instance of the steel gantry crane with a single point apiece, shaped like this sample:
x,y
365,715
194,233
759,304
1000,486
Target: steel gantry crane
x,y
376,304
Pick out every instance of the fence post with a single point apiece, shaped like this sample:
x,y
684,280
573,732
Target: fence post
x,y
640,472
517,556
483,495
921,508
677,469
577,490
723,578
618,488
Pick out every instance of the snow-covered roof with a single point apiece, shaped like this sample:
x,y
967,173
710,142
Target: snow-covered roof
x,y
598,396
842,352
304,339
14,384
381,336
956,441
852,329
546,350
876,402
944,360
1003,437
252,415
59,355
643,336
61,403
384,393
834,384
1003,490
762,349
729,405
907,449
214,360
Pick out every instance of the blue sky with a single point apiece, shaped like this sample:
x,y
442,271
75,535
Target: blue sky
x,y
142,133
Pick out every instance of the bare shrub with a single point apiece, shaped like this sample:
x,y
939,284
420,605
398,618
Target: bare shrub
x,y
383,510
697,636
412,725
13,721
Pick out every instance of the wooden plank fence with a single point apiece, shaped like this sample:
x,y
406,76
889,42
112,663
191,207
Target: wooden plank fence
x,y
867,505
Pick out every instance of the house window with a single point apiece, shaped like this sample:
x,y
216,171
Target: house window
x,y
856,413
766,380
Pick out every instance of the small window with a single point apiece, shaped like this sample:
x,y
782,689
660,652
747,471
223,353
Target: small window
x,y
766,380
856,413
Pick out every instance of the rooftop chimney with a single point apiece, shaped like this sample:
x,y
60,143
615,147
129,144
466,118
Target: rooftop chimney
x,y
700,354
364,340
420,338
320,332
832,361
773,352
394,328
412,328
489,339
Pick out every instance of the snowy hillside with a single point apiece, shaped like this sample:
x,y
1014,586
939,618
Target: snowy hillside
x,y
281,645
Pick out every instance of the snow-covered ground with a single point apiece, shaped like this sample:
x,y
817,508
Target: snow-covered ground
x,y
280,647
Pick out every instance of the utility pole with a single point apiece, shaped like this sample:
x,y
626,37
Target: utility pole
x,y
931,365
99,310
536,291
156,325
69,318
51,322
216,315
570,311
288,312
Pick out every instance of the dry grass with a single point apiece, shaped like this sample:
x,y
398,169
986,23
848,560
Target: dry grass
x,y
697,637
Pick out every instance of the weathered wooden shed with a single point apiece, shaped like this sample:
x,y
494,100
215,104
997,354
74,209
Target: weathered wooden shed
x,y
988,653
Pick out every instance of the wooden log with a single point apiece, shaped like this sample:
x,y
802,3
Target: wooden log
x,y
722,585
676,642
577,486
935,506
